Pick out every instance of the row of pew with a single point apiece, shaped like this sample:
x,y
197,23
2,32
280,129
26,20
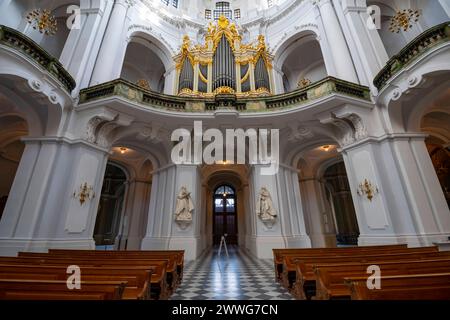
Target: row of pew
x,y
104,275
345,273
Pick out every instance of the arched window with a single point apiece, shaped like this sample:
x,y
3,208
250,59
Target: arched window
x,y
224,191
222,9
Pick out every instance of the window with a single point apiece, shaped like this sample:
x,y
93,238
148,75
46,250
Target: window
x,y
237,13
222,9
224,191
173,2
207,14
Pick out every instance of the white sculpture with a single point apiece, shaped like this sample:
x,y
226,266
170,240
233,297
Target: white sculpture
x,y
185,206
264,206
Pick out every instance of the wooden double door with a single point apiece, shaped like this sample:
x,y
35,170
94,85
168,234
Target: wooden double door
x,y
225,215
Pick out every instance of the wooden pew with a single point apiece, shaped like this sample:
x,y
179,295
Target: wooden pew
x,y
27,289
280,253
178,255
138,279
171,269
305,281
159,288
330,283
403,287
288,260
289,265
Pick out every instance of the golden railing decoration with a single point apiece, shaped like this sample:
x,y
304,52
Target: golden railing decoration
x,y
200,60
43,21
84,193
366,188
403,19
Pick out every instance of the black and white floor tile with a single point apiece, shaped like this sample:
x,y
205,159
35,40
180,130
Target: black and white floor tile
x,y
239,277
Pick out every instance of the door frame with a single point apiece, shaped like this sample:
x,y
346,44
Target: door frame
x,y
235,213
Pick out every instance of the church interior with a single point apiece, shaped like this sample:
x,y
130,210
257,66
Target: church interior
x,y
224,150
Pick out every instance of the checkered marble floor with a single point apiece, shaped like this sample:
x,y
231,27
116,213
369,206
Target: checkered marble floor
x,y
240,277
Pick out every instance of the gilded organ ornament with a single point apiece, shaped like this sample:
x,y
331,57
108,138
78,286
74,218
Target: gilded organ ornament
x,y
223,64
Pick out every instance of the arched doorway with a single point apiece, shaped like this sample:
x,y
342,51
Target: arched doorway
x,y
12,129
107,226
340,199
225,215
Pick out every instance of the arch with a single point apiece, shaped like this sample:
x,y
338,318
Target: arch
x,y
426,103
111,206
234,176
301,60
296,151
282,50
337,184
153,43
36,94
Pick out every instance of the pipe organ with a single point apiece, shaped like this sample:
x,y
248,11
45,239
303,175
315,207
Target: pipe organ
x,y
223,64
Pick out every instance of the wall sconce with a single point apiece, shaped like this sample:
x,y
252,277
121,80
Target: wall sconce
x,y
123,150
326,148
84,193
366,188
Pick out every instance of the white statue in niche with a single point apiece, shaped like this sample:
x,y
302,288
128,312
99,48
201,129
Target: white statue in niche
x,y
185,206
264,207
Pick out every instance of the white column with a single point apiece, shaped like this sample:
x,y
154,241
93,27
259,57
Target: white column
x,y
278,81
210,81
43,210
252,76
238,78
163,232
111,45
410,206
321,229
368,43
446,6
82,46
289,229
170,81
333,32
196,76
136,213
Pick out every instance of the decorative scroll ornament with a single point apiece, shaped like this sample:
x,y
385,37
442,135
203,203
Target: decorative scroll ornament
x,y
43,21
403,19
265,209
184,208
85,193
303,83
144,84
366,188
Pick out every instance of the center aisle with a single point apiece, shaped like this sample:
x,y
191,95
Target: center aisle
x,y
240,277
